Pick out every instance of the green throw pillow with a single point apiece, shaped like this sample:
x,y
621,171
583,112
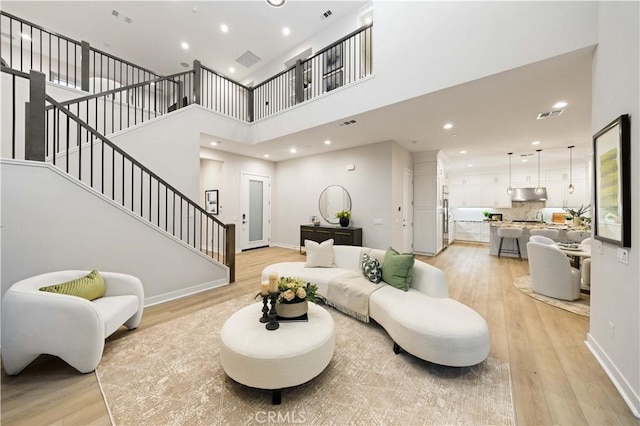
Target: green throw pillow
x,y
397,269
371,268
88,287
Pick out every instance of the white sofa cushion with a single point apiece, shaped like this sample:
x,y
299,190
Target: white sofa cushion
x,y
115,311
318,276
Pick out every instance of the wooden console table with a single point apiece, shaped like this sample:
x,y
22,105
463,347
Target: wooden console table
x,y
341,236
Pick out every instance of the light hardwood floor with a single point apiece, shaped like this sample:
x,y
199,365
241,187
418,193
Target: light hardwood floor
x,y
555,378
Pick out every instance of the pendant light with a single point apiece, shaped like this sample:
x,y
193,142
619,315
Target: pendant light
x,y
571,187
509,188
538,188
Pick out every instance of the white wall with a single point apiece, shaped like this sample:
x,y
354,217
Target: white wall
x,y
170,147
615,287
230,193
51,222
299,182
422,47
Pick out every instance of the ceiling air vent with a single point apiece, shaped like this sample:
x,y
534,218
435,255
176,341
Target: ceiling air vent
x,y
347,123
326,14
248,59
545,115
115,13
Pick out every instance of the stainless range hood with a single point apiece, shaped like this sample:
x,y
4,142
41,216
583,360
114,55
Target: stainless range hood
x,y
529,194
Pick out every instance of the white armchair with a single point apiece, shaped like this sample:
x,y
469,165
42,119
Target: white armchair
x,y
36,322
551,273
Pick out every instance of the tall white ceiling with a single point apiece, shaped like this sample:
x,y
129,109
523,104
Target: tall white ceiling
x,y
492,116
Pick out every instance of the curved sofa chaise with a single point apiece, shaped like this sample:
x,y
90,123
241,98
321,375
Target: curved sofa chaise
x,y
423,321
36,322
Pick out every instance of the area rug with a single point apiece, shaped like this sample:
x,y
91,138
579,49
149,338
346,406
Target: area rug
x,y
580,306
170,374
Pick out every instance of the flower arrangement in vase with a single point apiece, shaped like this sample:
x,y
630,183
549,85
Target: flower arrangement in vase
x,y
294,296
344,216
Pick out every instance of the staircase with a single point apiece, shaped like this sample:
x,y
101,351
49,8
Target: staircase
x,y
73,134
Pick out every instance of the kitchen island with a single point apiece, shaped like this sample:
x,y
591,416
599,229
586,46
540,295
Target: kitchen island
x,y
510,244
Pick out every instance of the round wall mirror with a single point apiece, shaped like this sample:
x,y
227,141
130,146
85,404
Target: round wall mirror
x,y
333,199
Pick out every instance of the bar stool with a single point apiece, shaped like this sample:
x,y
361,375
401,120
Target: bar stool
x,y
549,233
514,233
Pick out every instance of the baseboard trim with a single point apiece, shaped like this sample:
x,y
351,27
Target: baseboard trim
x,y
626,391
287,246
178,294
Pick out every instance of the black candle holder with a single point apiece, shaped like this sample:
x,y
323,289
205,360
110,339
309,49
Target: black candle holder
x,y
265,309
273,324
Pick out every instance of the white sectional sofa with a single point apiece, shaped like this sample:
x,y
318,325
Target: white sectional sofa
x,y
423,321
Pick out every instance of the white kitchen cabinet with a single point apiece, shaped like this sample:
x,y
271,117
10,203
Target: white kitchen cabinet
x,y
472,231
494,191
424,230
557,184
465,191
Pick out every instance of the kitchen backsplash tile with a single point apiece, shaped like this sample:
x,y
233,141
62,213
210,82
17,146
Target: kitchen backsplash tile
x,y
519,210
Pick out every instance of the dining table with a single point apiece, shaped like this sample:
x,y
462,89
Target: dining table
x,y
576,252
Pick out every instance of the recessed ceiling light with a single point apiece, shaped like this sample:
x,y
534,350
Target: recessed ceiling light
x,y
194,9
560,104
184,45
224,28
293,150
469,165
232,70
286,31
448,126
276,3
524,160
463,152
327,142
215,143
266,156
25,36
535,143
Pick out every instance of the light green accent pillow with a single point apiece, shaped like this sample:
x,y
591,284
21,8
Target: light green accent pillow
x,y
88,287
397,269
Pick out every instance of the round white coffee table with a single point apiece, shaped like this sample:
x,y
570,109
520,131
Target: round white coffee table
x,y
291,355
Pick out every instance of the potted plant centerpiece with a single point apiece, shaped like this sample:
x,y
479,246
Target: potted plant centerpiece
x,y
344,216
294,296
577,215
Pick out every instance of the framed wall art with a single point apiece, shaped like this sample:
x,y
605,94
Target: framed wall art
x,y
612,183
211,201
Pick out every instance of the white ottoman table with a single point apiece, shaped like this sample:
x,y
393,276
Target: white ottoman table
x,y
289,356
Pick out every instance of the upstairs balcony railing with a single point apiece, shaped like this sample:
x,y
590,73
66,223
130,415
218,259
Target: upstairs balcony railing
x,y
66,61
77,64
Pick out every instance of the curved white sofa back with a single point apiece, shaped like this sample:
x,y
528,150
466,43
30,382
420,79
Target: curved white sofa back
x,y
426,279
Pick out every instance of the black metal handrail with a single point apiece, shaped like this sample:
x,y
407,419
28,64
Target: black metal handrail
x,y
56,45
223,95
343,62
128,182
84,66
16,141
120,108
347,60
